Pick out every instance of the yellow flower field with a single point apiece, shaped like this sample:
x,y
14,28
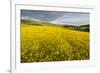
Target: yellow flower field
x,y
48,43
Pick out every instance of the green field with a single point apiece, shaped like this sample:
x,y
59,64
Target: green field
x,y
43,42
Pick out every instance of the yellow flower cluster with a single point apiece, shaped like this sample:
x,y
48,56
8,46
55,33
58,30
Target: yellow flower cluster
x,y
48,43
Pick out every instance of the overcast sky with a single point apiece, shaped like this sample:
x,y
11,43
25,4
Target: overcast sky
x,y
70,18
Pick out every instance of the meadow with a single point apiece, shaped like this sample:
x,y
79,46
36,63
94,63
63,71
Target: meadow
x,y
53,43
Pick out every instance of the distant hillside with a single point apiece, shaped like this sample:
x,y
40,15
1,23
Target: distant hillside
x,y
85,28
39,23
85,25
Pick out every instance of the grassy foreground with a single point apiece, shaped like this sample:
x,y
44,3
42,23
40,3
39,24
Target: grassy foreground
x,y
47,43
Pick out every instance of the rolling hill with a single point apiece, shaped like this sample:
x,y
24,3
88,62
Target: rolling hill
x,y
43,42
84,27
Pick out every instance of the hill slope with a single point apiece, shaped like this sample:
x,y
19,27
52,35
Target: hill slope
x,y
47,43
39,23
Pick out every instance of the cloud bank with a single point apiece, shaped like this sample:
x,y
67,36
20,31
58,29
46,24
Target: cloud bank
x,y
57,17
